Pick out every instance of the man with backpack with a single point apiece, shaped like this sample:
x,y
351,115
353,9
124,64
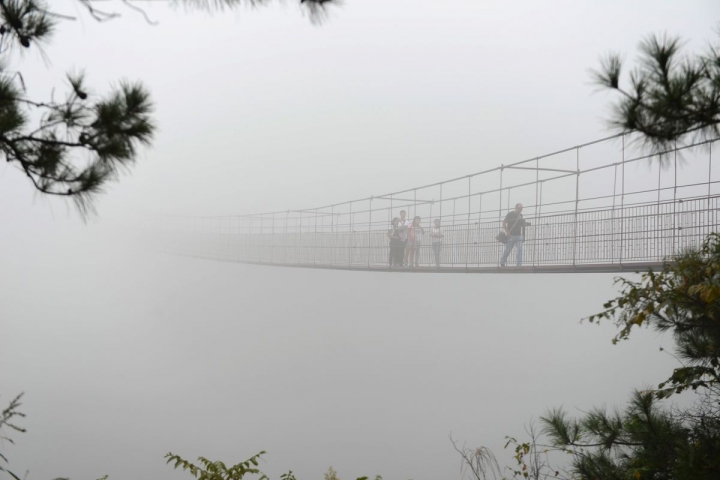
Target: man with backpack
x,y
514,226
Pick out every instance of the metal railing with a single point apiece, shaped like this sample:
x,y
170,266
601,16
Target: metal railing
x,y
586,210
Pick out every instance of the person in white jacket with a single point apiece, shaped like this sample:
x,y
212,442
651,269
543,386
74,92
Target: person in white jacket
x,y
437,236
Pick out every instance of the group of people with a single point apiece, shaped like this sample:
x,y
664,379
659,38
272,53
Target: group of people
x,y
406,238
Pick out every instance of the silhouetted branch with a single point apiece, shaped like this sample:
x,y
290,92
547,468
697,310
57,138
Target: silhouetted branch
x,y
669,95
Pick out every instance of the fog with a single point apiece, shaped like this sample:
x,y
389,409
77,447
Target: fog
x,y
125,352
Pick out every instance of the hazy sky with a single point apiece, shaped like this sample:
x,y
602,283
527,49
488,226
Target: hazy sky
x,y
126,353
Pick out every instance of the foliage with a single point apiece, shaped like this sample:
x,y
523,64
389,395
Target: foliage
x,y
316,9
8,417
643,441
82,140
331,474
217,470
669,95
532,459
684,298
477,463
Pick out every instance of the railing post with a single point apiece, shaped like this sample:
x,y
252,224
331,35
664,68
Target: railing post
x,y
414,202
467,228
675,223
622,203
369,247
391,213
390,217
577,201
352,234
416,251
441,205
498,250
542,182
535,211
441,201
480,195
272,240
299,240
262,235
315,240
333,239
709,172
659,234
707,230
502,168
285,242
455,235
612,217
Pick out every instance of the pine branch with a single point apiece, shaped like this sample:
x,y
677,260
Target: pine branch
x,y
670,97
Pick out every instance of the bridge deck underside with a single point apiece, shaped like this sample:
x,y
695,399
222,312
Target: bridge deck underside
x,y
582,268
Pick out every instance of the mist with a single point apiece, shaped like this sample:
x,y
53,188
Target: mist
x,y
126,351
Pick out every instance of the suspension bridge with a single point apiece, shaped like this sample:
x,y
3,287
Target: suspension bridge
x,y
604,206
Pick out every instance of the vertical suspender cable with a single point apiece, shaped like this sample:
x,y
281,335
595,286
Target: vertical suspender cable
x,y
709,210
467,228
285,240
480,243
577,200
352,234
675,223
502,167
369,232
535,211
622,204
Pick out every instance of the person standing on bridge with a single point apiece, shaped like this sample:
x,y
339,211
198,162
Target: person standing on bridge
x,y
415,235
514,226
396,245
403,225
437,241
